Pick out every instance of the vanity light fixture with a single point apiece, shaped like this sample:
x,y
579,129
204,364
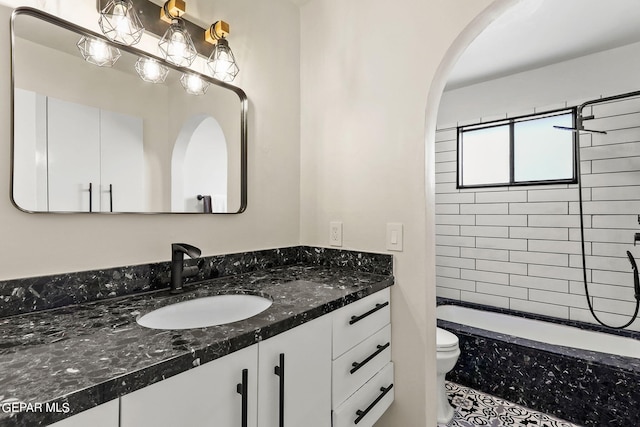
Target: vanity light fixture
x,y
193,84
98,52
151,70
120,22
222,62
176,45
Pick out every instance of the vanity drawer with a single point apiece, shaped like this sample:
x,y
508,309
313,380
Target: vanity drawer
x,y
368,404
358,365
355,322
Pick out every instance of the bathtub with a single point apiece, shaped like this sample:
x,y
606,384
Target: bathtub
x,y
585,376
538,330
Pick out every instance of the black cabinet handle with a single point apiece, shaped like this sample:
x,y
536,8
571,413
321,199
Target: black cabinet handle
x,y
243,390
90,197
110,197
356,365
279,371
355,319
362,414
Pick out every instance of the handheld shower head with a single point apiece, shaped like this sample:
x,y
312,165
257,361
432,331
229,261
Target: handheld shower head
x,y
632,260
636,279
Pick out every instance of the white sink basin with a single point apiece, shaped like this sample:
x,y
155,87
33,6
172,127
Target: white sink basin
x,y
206,311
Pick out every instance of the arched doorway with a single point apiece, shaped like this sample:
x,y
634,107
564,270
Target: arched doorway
x,y
199,167
508,251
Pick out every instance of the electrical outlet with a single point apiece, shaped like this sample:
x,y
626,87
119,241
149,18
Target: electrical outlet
x,y
335,233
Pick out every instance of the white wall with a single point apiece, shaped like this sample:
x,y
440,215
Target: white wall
x,y
38,244
519,247
366,70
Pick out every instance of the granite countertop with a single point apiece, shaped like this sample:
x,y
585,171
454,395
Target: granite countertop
x,y
81,356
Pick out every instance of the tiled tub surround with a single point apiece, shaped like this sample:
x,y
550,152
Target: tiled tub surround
x,y
581,386
88,354
519,247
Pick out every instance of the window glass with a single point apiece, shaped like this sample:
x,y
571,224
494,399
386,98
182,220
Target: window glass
x,y
542,152
520,151
485,156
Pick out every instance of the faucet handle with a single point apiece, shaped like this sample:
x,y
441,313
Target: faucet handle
x,y
185,248
192,270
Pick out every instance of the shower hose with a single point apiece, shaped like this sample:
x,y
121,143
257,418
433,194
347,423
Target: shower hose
x,y
634,267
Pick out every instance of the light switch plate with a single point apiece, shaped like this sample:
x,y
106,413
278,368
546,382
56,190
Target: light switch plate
x,y
335,233
394,236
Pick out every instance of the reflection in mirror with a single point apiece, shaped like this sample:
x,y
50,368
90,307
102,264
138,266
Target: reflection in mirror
x,y
101,139
198,163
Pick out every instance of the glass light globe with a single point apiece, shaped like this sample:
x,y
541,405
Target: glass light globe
x,y
193,84
222,62
176,45
151,70
98,52
119,21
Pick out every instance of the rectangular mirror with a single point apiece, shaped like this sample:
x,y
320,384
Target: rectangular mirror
x,y
89,138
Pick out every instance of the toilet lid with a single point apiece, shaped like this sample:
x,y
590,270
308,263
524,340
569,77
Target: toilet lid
x,y
445,339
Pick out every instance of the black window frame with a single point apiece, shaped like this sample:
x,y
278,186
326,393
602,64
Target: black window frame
x,y
511,123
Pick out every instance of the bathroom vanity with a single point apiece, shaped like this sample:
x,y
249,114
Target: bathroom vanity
x,y
319,356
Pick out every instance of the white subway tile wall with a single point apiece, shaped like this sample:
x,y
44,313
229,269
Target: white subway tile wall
x,y
519,247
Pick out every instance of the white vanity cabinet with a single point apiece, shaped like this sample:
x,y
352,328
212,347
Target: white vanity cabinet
x,y
105,415
295,377
209,395
362,371
218,393
333,371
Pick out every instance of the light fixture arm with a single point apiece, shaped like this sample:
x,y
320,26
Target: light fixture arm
x,y
218,30
172,9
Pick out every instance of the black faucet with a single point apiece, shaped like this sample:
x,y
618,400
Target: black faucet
x,y
177,263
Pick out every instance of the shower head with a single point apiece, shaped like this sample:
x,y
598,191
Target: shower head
x,y
580,130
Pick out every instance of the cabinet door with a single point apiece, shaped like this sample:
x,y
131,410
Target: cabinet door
x,y
74,156
105,415
30,150
204,396
122,163
303,394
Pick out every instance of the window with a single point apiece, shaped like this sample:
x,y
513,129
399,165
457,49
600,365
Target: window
x,y
520,151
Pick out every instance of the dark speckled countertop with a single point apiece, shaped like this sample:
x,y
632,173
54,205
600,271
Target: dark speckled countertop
x,y
84,355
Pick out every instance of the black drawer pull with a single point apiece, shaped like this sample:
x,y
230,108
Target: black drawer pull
x,y
362,414
91,197
110,197
243,390
279,371
355,319
356,365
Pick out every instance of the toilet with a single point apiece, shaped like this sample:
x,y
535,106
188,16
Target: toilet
x,y
447,356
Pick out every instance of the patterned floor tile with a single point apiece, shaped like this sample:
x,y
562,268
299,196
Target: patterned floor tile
x,y
475,409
